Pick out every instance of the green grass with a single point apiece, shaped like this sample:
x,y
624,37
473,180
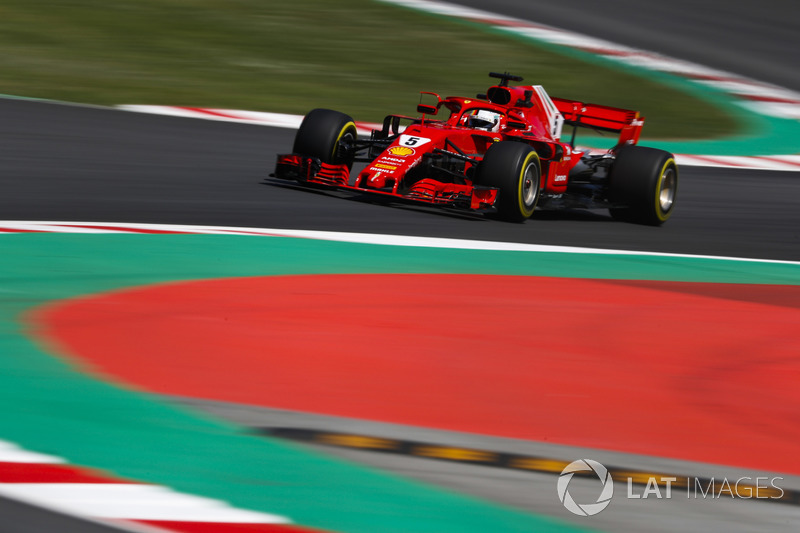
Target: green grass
x,y
362,57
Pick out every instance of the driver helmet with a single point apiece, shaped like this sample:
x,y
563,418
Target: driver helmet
x,y
485,120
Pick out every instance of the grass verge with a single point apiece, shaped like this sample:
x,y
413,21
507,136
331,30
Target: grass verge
x,y
362,57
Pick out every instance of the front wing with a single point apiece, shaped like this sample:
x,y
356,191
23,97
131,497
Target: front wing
x,y
427,191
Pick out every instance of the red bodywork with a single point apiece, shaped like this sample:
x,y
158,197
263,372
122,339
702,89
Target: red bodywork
x,y
402,168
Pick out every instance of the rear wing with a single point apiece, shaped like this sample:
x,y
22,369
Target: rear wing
x,y
599,117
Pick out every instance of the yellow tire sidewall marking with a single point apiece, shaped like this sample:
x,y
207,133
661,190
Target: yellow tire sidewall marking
x,y
662,216
342,133
532,158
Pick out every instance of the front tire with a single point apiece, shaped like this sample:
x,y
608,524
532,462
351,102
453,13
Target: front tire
x,y
325,134
514,168
644,183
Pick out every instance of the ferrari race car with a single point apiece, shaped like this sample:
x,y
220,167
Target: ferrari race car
x,y
500,152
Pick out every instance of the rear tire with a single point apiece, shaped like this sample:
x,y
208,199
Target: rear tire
x,y
320,134
644,182
514,168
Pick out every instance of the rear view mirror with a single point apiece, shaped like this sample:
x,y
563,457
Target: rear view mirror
x,y
431,107
427,109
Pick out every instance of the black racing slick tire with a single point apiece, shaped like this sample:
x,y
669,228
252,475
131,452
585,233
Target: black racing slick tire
x,y
514,168
326,135
643,184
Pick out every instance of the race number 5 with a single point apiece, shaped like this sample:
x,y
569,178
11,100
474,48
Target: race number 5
x,y
413,141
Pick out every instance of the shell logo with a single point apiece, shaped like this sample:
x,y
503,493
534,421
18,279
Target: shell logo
x,y
402,151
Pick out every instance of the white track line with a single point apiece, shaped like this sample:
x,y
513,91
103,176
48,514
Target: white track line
x,y
275,120
10,227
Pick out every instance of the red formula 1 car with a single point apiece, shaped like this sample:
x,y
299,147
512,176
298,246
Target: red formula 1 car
x,y
500,152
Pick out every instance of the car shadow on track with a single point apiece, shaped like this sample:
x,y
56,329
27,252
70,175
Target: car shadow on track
x,y
575,215
371,199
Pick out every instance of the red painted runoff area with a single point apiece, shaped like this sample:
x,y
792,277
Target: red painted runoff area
x,y
698,371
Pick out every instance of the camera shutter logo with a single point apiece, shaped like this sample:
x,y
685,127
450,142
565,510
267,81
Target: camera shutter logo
x,y
587,509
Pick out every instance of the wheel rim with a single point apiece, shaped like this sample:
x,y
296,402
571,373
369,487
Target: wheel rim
x,y
339,155
669,186
530,185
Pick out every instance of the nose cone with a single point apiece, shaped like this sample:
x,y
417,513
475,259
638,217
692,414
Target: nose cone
x,y
377,181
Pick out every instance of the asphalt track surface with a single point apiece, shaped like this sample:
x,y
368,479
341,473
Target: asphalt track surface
x,y
86,164
754,38
19,517
78,163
